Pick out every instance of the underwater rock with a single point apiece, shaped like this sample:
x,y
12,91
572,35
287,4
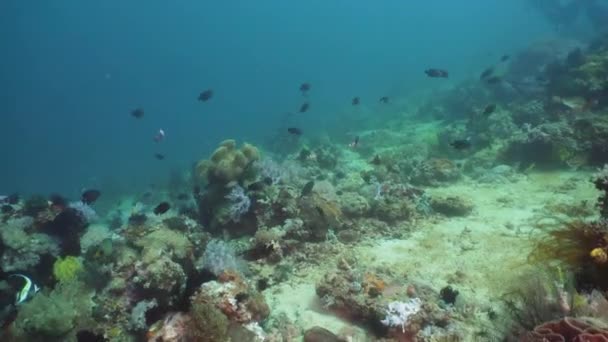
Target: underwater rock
x,y
319,334
435,171
451,206
175,327
354,205
163,278
348,236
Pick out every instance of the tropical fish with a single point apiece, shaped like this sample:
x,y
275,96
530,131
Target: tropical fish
x,y
137,113
159,156
489,109
90,196
305,87
205,95
162,208
307,189
304,107
461,144
486,73
294,131
436,73
505,58
383,99
27,291
493,80
355,101
354,143
160,136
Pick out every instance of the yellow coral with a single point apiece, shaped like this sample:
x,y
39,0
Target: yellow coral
x,y
66,269
599,255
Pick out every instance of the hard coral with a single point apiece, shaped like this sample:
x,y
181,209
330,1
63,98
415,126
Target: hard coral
x,y
228,163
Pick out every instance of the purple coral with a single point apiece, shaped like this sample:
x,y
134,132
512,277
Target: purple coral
x,y
239,203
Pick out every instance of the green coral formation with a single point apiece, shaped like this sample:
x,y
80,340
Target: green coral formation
x,y
67,269
55,316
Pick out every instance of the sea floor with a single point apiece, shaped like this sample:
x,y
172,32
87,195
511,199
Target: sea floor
x,y
481,255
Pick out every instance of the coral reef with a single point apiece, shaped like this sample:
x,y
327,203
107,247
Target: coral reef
x,y
55,316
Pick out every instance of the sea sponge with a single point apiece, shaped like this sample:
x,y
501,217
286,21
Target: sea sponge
x,y
227,163
67,269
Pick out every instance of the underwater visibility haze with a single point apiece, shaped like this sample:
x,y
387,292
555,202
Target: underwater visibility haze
x,y
408,171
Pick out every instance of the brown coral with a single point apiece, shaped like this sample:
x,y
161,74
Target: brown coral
x,y
227,163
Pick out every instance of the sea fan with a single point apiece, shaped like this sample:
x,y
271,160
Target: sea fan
x,y
239,203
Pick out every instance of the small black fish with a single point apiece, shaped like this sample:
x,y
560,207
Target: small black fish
x,y
307,189
137,113
384,99
294,131
162,208
304,107
493,80
159,156
461,144
205,95
90,196
486,73
489,109
355,101
305,87
256,186
436,73
505,58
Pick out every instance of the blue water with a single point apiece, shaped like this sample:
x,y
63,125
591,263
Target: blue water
x,y
71,71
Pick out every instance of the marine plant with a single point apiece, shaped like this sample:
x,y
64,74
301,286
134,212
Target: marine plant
x,y
580,246
67,269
